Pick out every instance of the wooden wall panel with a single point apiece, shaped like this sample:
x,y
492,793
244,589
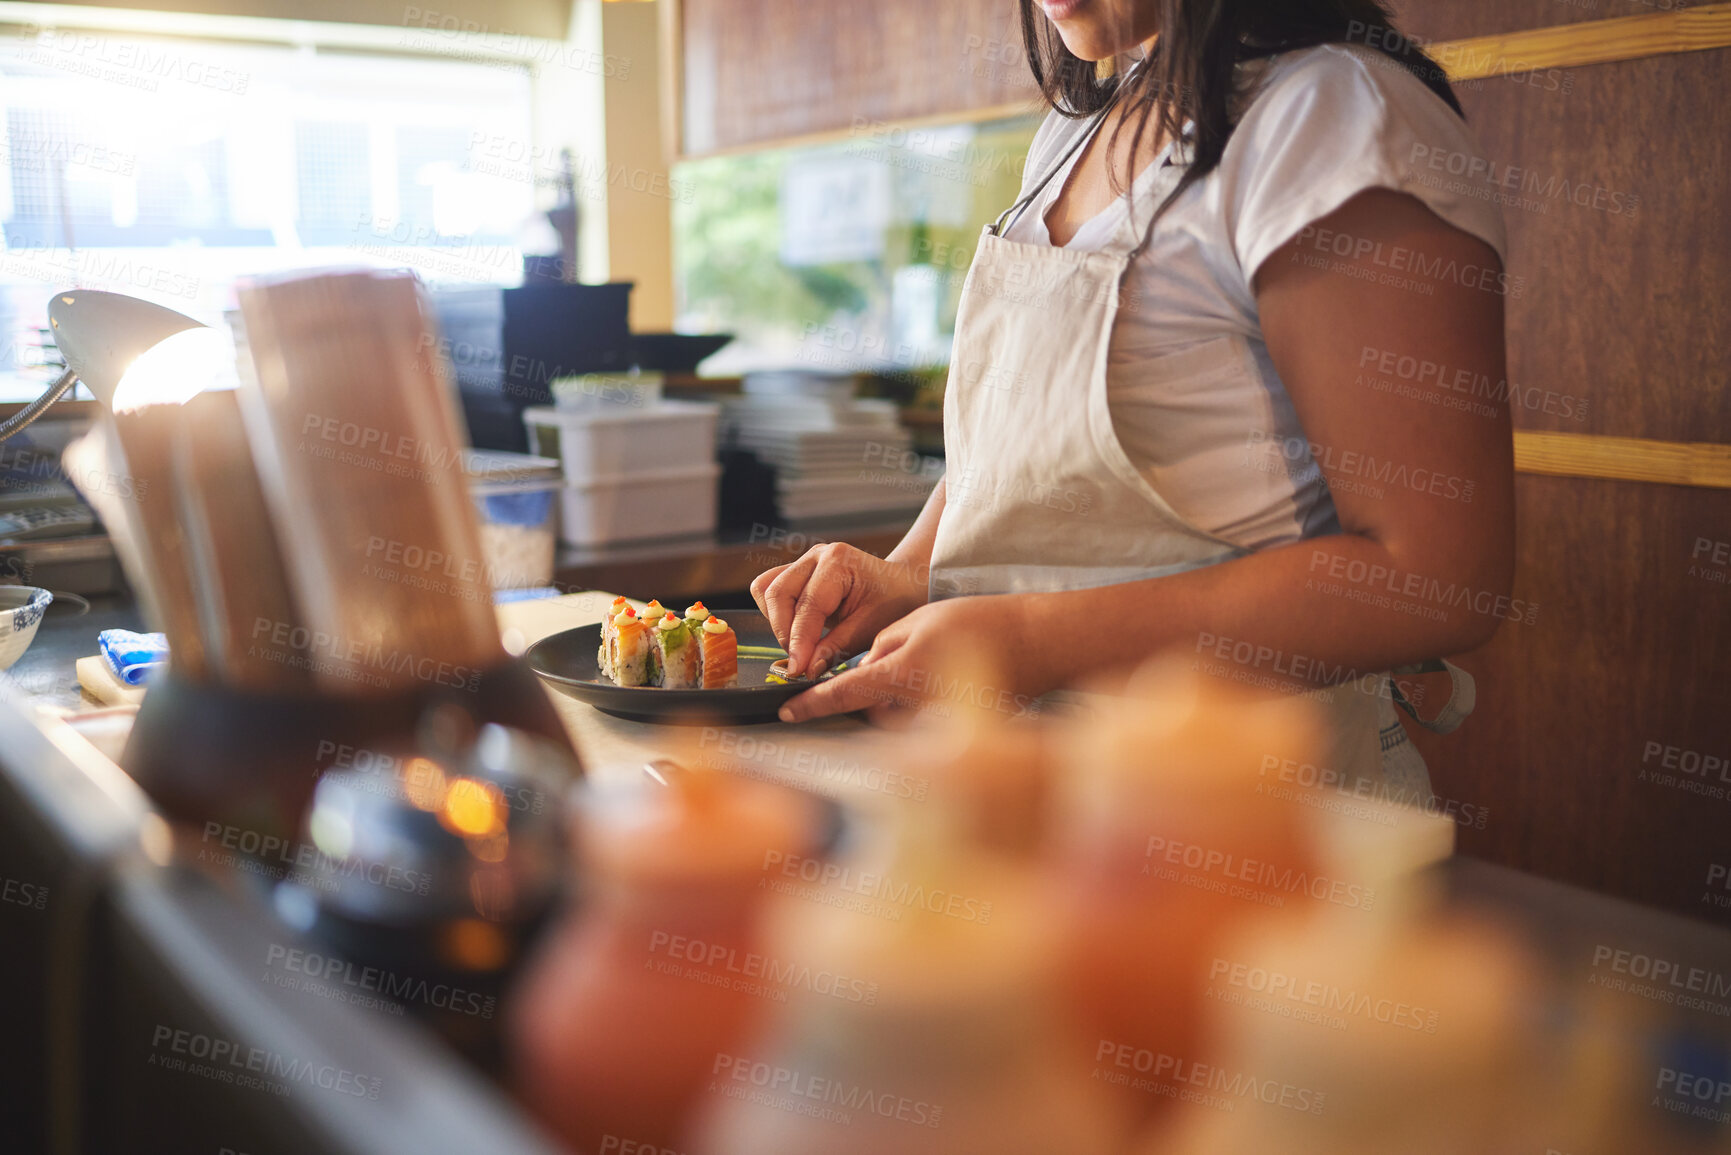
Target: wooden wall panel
x,y
1620,308
1624,311
1631,646
1457,19
766,70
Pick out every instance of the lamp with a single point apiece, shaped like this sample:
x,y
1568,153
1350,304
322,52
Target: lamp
x,y
100,335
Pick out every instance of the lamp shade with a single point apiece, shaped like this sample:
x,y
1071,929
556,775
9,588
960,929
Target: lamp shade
x,y
102,334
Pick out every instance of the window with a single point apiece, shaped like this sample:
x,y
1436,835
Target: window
x,y
333,180
842,257
167,168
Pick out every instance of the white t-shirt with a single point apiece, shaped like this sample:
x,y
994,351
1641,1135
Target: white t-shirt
x,y
1194,398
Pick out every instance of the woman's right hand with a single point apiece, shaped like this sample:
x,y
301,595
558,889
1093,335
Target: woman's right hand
x,y
853,593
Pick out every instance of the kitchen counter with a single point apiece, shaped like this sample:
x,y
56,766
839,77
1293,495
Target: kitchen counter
x,y
673,569
68,632
831,756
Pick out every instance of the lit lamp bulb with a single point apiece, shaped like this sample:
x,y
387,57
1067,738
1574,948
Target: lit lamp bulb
x,y
176,369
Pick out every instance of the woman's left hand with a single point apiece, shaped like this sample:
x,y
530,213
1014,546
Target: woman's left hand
x,y
934,656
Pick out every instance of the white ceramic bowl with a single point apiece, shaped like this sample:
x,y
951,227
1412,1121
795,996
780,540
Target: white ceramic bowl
x,y
21,610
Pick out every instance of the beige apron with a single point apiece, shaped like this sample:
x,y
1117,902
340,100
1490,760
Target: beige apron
x,y
1040,495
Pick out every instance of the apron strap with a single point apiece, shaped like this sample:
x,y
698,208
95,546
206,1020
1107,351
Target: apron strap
x,y
1010,215
1463,695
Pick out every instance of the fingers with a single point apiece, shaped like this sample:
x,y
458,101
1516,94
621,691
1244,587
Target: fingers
x,y
781,595
873,683
840,695
760,586
850,635
824,593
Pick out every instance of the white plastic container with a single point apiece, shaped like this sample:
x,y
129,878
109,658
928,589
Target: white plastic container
x,y
625,441
515,500
632,507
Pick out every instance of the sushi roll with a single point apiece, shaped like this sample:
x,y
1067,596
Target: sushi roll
x,y
606,657
720,654
651,617
678,653
631,649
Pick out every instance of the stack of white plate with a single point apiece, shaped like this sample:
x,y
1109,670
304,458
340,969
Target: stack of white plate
x,y
834,456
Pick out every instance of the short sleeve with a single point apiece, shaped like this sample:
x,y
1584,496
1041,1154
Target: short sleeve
x,y
1335,121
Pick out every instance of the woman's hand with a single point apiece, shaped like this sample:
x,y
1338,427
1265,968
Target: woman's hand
x,y
979,651
853,593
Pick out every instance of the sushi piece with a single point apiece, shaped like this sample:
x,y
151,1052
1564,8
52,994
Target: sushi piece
x,y
651,617
677,652
720,654
631,649
605,657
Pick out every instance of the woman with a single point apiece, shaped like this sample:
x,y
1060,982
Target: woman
x,y
1246,298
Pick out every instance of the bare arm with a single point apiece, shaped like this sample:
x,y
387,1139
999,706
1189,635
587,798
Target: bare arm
x,y
1349,600
1424,560
915,550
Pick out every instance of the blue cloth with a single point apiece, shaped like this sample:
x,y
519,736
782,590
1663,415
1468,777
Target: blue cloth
x,y
133,657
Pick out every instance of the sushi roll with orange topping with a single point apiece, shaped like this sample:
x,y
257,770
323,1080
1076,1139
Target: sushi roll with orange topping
x,y
631,649
720,654
606,657
678,653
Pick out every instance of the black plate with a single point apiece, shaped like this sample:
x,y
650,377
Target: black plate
x,y
567,661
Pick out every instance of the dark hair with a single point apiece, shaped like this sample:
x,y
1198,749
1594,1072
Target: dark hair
x,y
1191,74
